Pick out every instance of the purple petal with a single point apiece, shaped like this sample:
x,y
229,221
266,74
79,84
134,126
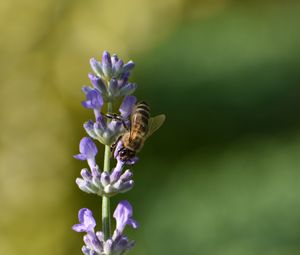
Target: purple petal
x,y
113,86
85,216
87,104
95,172
87,221
100,236
125,186
115,175
92,241
120,244
94,100
85,250
114,59
114,125
106,63
123,214
128,66
88,148
128,89
117,149
133,223
123,79
107,247
98,83
86,89
80,157
105,178
118,67
78,228
127,175
89,128
127,106
86,175
100,123
85,186
89,124
96,66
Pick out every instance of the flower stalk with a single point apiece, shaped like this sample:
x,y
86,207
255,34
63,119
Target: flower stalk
x,y
106,221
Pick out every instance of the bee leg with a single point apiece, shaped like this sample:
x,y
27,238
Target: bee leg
x,y
125,126
114,145
114,116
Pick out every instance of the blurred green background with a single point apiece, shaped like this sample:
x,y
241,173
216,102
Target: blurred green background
x,y
222,175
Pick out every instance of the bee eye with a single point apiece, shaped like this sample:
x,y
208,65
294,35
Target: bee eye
x,y
122,153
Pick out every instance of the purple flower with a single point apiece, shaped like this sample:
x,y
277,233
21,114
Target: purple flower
x,y
88,151
93,101
127,106
123,214
111,78
87,221
98,84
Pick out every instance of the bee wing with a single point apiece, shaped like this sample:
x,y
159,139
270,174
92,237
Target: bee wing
x,y
155,123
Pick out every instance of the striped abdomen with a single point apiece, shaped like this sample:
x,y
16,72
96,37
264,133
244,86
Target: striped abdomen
x,y
139,120
133,140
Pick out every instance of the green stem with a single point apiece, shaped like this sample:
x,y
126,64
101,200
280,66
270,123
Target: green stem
x,y
106,222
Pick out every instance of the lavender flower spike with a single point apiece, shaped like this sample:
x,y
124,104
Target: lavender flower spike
x,y
88,151
110,98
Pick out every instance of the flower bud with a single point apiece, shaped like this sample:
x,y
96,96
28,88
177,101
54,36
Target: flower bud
x,y
86,175
98,84
96,66
118,68
106,65
89,128
113,88
105,179
128,89
128,66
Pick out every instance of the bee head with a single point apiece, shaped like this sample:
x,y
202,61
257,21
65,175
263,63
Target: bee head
x,y
126,154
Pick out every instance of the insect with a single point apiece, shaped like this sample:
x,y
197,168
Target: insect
x,y
142,126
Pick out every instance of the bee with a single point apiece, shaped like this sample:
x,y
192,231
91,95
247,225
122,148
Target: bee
x,y
141,127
